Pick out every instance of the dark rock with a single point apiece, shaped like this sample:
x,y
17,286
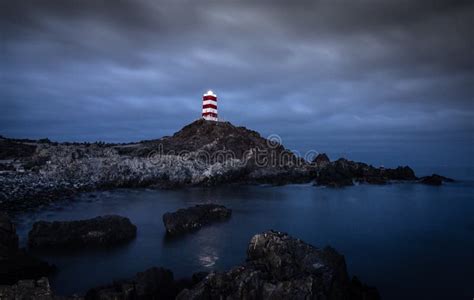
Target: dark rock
x,y
7,167
150,284
360,290
336,174
321,160
193,218
343,172
154,283
99,231
198,277
16,264
281,267
12,149
399,173
21,265
435,179
8,237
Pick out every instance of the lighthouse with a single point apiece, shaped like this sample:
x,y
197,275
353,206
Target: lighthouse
x,y
209,106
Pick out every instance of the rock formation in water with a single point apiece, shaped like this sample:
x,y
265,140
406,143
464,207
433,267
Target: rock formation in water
x,y
279,266
15,263
193,218
100,231
435,179
33,173
343,172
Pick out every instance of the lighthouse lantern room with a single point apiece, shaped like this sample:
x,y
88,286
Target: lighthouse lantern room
x,y
209,106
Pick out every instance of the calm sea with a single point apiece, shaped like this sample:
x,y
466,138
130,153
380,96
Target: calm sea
x,y
408,240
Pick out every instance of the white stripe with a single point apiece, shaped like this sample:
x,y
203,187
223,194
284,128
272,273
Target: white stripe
x,y
209,102
210,118
209,110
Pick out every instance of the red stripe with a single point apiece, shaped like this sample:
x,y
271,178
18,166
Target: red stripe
x,y
209,114
209,106
209,98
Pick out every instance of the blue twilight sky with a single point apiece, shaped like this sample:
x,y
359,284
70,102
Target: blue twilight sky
x,y
382,81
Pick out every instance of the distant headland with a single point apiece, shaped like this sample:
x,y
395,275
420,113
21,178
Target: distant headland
x,y
203,153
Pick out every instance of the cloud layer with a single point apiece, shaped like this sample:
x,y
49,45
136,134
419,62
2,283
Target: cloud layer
x,y
340,76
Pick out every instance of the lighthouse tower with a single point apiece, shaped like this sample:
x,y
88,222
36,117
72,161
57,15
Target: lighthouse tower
x,y
209,106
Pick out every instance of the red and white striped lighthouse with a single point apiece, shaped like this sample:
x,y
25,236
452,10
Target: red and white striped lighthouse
x,y
209,106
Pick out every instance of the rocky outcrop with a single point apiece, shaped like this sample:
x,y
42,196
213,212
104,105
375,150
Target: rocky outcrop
x,y
193,218
435,179
279,266
99,231
202,153
15,263
321,160
154,283
343,172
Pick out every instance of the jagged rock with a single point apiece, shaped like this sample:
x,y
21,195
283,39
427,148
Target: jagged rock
x,y
193,218
15,263
279,266
343,172
154,283
321,160
399,173
435,179
99,231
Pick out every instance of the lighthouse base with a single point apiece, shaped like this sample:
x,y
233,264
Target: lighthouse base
x,y
210,118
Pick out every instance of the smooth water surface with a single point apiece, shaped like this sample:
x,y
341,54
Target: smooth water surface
x,y
408,240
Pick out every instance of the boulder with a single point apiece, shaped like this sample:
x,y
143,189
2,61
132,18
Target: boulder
x,y
15,263
100,231
279,266
435,179
193,218
154,283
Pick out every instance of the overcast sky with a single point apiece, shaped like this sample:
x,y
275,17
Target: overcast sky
x,y
384,78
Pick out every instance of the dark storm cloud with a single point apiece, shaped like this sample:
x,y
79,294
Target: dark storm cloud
x,y
327,74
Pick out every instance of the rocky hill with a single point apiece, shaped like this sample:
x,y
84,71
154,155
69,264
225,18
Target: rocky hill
x,y
202,153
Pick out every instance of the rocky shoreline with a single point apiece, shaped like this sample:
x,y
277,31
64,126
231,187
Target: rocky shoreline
x,y
34,173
